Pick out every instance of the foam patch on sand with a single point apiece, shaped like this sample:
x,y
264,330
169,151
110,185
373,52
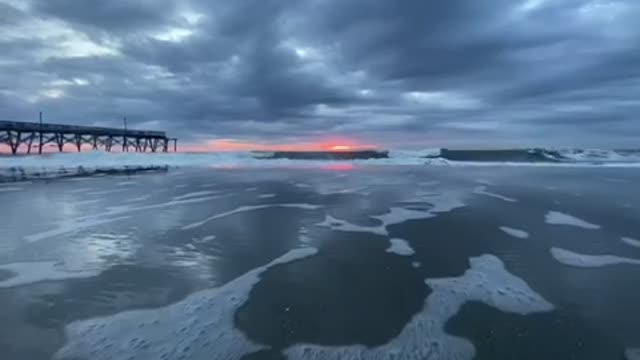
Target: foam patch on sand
x,y
631,242
251,208
126,183
194,195
9,189
397,215
106,192
571,258
441,203
198,327
112,214
423,337
400,247
632,354
520,234
208,238
333,189
342,225
71,226
558,218
482,190
138,198
32,272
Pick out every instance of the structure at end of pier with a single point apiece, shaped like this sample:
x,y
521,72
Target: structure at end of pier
x,y
17,135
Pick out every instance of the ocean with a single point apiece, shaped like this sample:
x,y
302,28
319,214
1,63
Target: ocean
x,y
216,258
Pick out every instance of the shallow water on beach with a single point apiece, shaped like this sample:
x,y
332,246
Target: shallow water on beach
x,y
341,262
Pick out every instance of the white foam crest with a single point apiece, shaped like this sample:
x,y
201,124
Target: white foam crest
x,y
400,247
32,272
599,155
558,218
421,153
482,190
575,259
424,337
342,225
538,164
250,208
199,327
266,196
631,242
520,234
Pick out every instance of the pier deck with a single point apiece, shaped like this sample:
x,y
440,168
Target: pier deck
x,y
37,135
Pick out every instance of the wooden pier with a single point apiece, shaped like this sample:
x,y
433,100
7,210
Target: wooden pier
x,y
37,135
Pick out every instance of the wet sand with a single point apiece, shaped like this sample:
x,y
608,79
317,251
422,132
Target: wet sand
x,y
303,263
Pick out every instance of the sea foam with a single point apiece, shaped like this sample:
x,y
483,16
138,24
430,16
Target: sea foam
x,y
24,273
520,234
575,259
558,218
400,247
199,327
631,242
423,337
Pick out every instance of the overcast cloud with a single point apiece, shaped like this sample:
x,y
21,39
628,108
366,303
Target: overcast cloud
x,y
410,73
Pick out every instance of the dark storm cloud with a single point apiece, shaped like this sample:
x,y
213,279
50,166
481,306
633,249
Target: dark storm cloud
x,y
418,72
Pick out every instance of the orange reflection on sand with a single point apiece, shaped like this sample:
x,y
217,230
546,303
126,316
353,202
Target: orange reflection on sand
x,y
337,167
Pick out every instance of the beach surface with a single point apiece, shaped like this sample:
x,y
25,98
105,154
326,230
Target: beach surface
x,y
327,262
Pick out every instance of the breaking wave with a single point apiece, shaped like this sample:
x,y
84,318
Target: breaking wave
x,y
14,168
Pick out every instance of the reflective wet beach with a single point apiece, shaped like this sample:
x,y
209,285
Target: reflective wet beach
x,y
369,262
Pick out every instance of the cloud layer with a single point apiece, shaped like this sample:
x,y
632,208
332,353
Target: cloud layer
x,y
413,73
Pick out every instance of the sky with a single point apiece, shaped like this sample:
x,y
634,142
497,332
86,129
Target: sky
x,y
244,74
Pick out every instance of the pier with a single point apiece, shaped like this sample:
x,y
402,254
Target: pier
x,y
37,135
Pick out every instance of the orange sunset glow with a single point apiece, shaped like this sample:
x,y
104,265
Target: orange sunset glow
x,y
328,144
